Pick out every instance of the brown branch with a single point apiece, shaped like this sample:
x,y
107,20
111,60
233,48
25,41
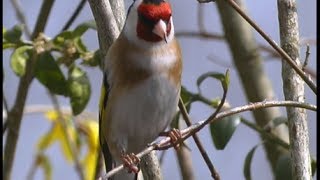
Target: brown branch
x,y
187,132
42,18
283,54
15,114
213,36
15,117
196,138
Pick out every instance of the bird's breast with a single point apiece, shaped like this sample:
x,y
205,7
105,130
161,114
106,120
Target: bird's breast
x,y
143,111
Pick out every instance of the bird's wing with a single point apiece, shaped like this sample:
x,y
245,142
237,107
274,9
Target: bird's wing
x,y
105,89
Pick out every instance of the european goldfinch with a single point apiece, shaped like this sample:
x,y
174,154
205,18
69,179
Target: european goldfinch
x,y
141,84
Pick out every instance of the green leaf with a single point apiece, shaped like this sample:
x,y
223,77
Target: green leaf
x,y
186,97
6,45
80,46
79,89
13,35
60,39
247,163
50,75
226,81
94,60
223,129
83,27
283,167
19,60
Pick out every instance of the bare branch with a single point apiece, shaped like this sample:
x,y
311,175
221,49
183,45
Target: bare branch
x,y
196,138
15,117
213,36
42,18
74,15
283,54
306,60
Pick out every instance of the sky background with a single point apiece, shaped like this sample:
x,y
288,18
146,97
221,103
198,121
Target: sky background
x,y
196,55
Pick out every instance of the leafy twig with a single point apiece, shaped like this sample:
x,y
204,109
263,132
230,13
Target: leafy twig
x,y
21,16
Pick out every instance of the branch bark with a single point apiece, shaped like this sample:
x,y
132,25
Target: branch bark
x,y
248,62
293,89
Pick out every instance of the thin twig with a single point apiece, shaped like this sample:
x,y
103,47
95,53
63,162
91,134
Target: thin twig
x,y
266,134
283,54
74,15
268,49
21,16
196,138
42,18
200,18
15,114
72,146
306,60
15,117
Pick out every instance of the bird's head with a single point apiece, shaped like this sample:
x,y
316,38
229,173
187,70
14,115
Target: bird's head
x,y
149,22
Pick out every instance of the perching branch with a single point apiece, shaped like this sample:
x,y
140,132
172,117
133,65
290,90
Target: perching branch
x,y
197,126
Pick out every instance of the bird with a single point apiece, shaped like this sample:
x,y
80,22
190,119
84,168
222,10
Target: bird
x,y
141,84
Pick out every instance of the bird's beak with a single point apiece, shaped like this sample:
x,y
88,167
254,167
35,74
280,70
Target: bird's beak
x,y
160,29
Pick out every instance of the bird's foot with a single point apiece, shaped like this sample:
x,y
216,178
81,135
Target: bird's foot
x,y
131,161
175,138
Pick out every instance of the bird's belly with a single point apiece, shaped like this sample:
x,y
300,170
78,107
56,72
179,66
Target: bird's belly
x,y
142,112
